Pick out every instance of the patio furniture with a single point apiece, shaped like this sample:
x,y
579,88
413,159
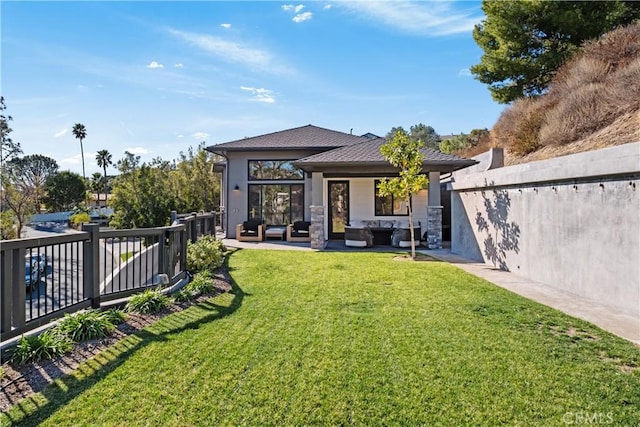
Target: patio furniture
x,y
299,232
276,232
250,231
401,237
358,237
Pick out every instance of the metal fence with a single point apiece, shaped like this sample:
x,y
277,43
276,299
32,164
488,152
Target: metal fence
x,y
44,278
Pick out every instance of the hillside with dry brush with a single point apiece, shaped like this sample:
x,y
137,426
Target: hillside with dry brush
x,y
593,102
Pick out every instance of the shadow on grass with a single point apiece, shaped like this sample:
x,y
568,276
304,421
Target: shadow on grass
x,y
36,409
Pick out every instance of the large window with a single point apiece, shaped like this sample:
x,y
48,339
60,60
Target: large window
x,y
269,170
388,205
276,204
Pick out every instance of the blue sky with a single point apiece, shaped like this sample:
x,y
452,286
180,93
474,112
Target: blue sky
x,y
155,78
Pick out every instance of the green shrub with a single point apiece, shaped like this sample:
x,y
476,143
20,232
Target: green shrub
x,y
85,325
115,316
202,283
206,254
149,301
184,295
35,348
79,218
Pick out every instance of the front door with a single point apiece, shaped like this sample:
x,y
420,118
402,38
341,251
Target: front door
x,y
338,208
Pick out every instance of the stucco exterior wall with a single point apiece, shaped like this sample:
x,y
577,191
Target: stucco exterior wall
x,y
571,222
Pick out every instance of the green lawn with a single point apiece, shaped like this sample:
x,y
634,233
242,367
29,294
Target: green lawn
x,y
318,338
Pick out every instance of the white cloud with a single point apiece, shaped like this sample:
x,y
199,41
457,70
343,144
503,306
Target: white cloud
x,y
225,25
292,8
425,18
260,94
179,135
178,65
465,72
73,160
327,6
137,150
301,17
61,133
155,64
230,51
200,136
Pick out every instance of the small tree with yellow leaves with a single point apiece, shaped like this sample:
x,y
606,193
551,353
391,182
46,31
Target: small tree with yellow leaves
x,y
404,153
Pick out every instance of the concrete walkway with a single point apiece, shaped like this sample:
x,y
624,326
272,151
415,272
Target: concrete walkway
x,y
607,318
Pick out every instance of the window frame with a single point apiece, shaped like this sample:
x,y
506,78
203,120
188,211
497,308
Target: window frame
x,y
292,217
253,179
376,197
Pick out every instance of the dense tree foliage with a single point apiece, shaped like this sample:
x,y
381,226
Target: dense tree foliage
x,y
419,132
97,183
64,191
30,174
103,159
464,141
142,194
8,148
404,153
18,201
8,225
526,41
196,188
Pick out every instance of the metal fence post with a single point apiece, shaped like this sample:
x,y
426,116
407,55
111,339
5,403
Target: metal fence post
x,y
174,217
163,252
91,264
6,295
19,292
194,227
183,250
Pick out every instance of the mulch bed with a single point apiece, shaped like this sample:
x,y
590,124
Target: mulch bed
x,y
22,381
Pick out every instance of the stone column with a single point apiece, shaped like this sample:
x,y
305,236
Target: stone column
x,y
434,227
316,231
434,212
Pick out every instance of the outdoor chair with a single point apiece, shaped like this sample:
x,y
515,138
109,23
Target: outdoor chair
x,y
299,232
358,237
401,237
250,231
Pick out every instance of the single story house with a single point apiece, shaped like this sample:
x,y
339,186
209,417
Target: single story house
x,y
325,177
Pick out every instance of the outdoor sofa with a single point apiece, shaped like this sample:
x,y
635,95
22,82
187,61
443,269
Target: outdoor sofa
x,y
367,233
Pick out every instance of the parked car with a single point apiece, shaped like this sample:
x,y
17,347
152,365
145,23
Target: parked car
x,y
32,273
41,260
35,267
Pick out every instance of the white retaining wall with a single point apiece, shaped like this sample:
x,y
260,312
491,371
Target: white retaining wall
x,y
571,222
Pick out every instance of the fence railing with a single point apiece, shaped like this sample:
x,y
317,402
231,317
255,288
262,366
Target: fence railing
x,y
45,277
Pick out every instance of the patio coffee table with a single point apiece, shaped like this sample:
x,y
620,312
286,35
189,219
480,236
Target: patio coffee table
x,y
275,232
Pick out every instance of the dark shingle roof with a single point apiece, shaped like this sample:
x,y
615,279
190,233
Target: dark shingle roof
x,y
305,137
369,152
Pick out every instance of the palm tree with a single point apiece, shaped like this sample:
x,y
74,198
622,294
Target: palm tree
x,y
80,132
104,160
